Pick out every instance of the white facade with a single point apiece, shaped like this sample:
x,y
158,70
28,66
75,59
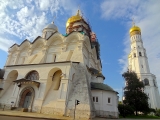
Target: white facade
x,y
47,75
138,62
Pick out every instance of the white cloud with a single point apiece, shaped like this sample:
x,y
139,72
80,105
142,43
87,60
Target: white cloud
x,y
147,17
5,44
26,18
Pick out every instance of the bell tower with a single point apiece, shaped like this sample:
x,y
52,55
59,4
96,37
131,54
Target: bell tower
x,y
138,62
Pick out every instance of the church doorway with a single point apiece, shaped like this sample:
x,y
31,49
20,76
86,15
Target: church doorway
x,y
26,98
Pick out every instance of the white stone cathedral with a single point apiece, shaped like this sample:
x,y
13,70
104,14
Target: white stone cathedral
x,y
138,62
50,73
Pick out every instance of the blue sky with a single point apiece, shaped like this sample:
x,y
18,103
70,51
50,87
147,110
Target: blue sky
x,y
109,19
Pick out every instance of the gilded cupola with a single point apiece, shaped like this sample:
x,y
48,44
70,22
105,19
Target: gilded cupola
x,y
134,30
77,23
74,18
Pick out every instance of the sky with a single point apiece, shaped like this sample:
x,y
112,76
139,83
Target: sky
x,y
109,19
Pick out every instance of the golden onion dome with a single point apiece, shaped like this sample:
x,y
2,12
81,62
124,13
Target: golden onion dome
x,y
74,18
134,28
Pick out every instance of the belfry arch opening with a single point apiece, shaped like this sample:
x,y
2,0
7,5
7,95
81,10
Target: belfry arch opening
x,y
146,82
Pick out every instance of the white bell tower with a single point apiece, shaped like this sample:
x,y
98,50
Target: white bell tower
x,y
138,62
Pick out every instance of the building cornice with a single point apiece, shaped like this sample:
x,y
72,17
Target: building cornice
x,y
42,63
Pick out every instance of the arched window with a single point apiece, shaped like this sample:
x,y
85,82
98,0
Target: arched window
x,y
140,54
33,75
134,54
146,81
56,78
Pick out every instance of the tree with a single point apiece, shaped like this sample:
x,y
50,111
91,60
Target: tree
x,y
157,112
125,110
134,93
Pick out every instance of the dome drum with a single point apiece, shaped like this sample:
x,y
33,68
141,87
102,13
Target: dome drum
x,y
49,30
135,33
51,26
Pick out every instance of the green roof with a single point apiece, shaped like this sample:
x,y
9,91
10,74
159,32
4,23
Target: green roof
x,y
101,86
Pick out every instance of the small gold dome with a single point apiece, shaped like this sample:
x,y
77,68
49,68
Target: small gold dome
x,y
74,18
135,28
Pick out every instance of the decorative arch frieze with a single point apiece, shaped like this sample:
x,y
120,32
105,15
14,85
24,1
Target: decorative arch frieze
x,y
73,36
24,44
55,37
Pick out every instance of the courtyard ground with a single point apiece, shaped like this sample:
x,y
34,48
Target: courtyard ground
x,y
18,115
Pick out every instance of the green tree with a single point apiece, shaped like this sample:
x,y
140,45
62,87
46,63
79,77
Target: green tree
x,y
125,110
157,112
134,93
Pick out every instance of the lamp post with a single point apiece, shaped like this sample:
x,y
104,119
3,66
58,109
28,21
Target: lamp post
x,y
76,103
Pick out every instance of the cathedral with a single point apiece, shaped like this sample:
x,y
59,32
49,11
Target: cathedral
x,y
138,62
55,71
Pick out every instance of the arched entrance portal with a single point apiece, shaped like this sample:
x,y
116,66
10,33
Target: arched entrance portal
x,y
26,98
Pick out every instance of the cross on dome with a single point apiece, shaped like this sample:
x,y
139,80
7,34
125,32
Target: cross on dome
x,y
133,23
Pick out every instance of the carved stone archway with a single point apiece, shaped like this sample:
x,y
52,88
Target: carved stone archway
x,y
25,93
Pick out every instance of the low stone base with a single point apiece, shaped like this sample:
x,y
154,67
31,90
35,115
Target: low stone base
x,y
107,114
24,109
13,108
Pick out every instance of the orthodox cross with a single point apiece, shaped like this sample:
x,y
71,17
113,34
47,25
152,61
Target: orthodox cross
x,y
133,23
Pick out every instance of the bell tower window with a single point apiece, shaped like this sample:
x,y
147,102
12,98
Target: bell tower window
x,y
140,54
146,82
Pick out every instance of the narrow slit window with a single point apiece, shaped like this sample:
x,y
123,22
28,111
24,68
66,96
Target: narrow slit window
x,y
93,99
54,58
109,100
96,99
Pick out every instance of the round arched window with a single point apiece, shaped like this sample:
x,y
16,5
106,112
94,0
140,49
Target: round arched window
x,y
33,75
146,81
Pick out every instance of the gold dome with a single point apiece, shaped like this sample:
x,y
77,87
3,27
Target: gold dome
x,y
135,28
74,18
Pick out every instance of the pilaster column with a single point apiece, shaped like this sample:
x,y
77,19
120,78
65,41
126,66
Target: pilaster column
x,y
17,56
8,58
45,52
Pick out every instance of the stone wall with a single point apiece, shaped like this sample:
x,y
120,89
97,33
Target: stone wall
x,y
79,90
48,110
106,114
